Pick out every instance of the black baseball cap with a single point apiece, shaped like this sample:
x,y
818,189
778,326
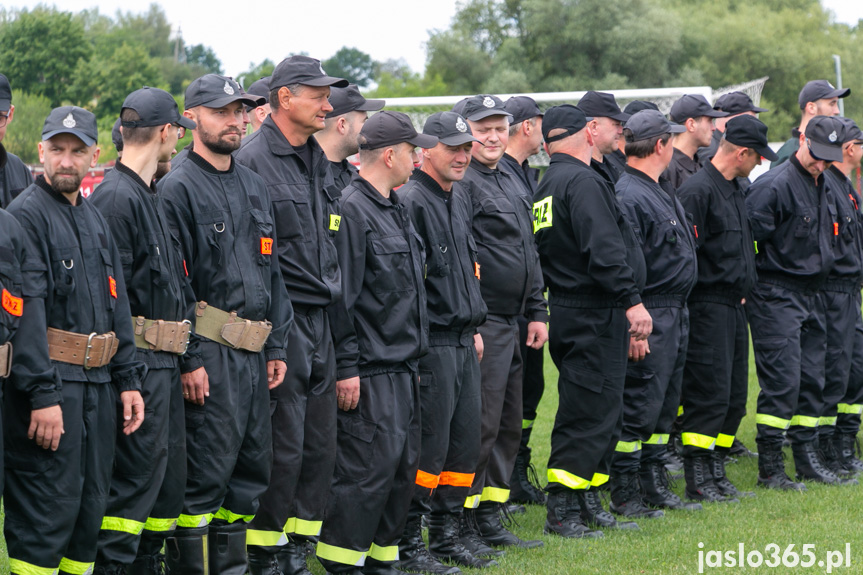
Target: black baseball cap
x,y
819,90
5,93
853,133
693,106
215,91
639,105
749,132
117,136
450,128
260,87
601,105
522,108
565,116
481,106
71,120
650,123
349,99
155,107
736,103
388,128
823,134
303,70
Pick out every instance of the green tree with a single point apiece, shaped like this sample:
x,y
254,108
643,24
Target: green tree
x,y
204,58
351,64
25,130
256,72
397,80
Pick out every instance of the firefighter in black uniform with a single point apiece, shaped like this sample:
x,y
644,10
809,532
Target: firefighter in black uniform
x,y
816,98
792,215
606,128
305,203
693,112
653,377
73,282
511,287
222,215
382,262
441,213
257,114
146,495
341,128
525,140
14,175
594,270
734,104
716,376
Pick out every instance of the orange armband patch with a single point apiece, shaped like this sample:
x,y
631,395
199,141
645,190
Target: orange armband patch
x,y
13,305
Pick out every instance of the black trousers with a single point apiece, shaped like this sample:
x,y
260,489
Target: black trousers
x,y
376,467
55,500
304,436
501,410
140,477
789,339
650,385
851,406
841,316
228,439
533,378
589,348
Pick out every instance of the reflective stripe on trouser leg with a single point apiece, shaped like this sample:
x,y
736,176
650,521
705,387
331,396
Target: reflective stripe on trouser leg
x,y
724,441
23,568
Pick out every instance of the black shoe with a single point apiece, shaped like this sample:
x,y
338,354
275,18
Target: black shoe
x,y
771,470
720,479
262,562
626,498
656,489
563,517
738,450
292,558
493,531
848,449
468,534
375,567
831,458
186,551
525,487
227,548
413,555
699,481
595,515
809,464
444,542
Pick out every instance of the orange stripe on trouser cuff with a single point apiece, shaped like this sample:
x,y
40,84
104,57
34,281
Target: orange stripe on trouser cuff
x,y
427,479
456,479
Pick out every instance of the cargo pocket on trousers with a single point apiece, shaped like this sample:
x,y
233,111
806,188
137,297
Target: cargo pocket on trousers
x,y
583,389
771,359
356,438
134,454
700,371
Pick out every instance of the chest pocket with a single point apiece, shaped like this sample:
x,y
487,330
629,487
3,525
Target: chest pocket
x,y
498,222
293,213
391,264
63,264
215,234
440,255
263,231
803,224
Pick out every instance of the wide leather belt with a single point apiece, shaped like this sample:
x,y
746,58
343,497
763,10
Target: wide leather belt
x,y
5,359
230,330
88,351
161,335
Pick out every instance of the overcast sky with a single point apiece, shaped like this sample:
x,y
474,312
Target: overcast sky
x,y
253,31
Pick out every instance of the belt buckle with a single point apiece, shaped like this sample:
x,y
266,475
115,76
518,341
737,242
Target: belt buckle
x,y
87,350
188,335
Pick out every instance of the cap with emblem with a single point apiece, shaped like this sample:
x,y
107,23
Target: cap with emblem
x,y
750,132
450,128
820,90
693,106
648,124
481,106
639,105
852,131
823,135
522,108
5,94
566,117
390,128
215,91
601,105
344,100
155,107
71,120
303,70
736,103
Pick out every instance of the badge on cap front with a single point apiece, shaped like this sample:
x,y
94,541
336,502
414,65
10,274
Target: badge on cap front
x,y
229,90
460,125
488,102
69,121
833,137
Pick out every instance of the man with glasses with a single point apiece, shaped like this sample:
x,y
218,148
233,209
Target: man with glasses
x,y
14,175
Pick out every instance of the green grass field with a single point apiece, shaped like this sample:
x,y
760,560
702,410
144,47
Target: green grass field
x,y
826,517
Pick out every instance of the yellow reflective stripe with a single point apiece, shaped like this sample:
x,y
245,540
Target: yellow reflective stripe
x,y
76,567
756,247
698,440
853,409
340,554
827,421
122,524
494,494
657,439
598,479
266,538
388,554
194,520
232,517
157,524
771,421
472,502
567,479
527,423
542,214
679,410
804,421
627,446
723,440
335,222
24,568
307,528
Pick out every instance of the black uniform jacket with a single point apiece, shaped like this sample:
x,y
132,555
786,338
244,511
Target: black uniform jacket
x,y
153,266
847,244
726,252
14,177
661,226
342,173
792,217
529,177
606,169
587,247
616,160
510,276
224,222
73,281
681,168
382,259
443,221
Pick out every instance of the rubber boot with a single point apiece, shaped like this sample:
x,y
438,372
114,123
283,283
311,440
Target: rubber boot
x,y
595,515
563,517
263,561
809,465
227,545
292,558
845,446
444,542
626,498
468,534
720,479
149,560
493,531
413,555
656,490
375,567
699,480
771,470
186,551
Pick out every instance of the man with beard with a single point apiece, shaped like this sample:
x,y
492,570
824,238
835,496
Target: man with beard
x,y
606,128
222,215
14,175
150,469
817,98
696,115
72,280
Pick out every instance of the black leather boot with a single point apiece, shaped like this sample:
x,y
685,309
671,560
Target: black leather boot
x,y
468,534
595,515
771,470
720,479
186,551
656,489
149,560
524,483
112,569
292,558
738,449
493,531
263,561
626,498
846,447
227,545
444,542
808,464
563,516
413,555
830,457
375,567
699,480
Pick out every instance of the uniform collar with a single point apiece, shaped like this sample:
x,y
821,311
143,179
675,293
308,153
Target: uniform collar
x,y
431,184
49,189
726,187
567,159
124,169
369,190
207,166
483,169
793,159
279,144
